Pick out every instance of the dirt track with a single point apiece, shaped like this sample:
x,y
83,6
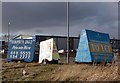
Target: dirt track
x,y
58,72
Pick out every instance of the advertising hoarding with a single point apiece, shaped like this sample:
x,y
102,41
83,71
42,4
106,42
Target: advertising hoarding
x,y
94,47
21,49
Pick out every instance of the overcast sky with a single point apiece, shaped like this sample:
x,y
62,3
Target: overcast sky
x,y
50,18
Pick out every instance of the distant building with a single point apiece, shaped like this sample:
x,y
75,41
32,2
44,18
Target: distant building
x,y
3,47
61,41
3,44
115,43
23,37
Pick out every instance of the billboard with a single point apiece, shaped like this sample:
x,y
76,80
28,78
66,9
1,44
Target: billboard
x,y
21,49
48,50
94,47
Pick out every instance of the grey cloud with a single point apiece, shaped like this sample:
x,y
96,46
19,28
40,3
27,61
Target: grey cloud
x,y
104,12
29,15
51,17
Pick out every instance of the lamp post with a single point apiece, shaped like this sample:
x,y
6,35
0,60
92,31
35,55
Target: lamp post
x,y
67,31
8,31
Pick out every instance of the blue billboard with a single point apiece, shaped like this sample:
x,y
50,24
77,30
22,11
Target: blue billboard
x,y
21,49
94,47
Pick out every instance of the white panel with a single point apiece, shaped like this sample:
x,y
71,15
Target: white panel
x,y
46,49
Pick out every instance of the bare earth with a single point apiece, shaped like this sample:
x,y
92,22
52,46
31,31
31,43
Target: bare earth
x,y
58,72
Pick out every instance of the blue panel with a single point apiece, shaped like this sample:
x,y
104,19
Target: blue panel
x,y
21,49
94,46
101,57
83,53
97,37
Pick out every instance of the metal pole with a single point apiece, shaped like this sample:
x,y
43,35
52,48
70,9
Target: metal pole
x,y
8,31
67,31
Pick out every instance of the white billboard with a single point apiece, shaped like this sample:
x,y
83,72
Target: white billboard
x,y
48,50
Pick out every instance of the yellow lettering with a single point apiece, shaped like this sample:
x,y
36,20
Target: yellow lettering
x,y
98,47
